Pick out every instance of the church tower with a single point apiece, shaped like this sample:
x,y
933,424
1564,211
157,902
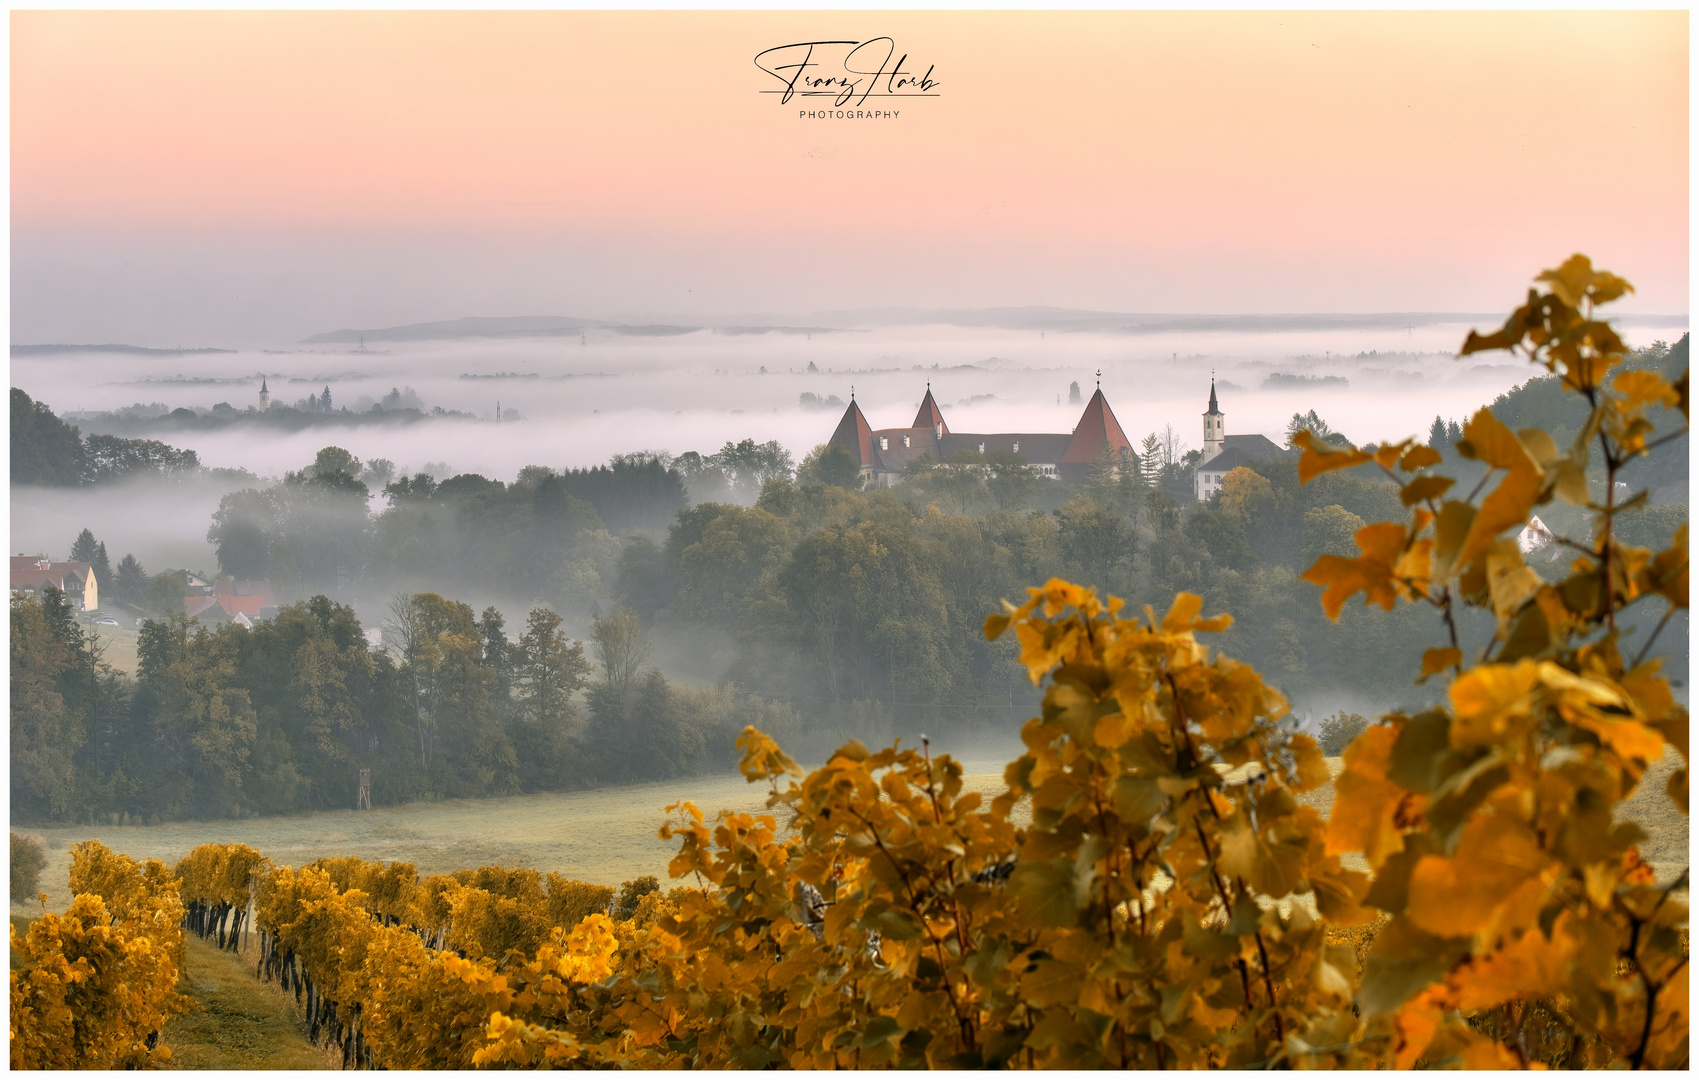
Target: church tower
x,y
1214,425
265,395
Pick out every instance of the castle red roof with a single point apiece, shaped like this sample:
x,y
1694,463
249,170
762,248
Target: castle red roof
x,y
930,416
1097,426
854,435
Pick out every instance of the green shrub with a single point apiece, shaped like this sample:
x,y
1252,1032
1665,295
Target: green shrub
x,y
630,892
29,858
1338,730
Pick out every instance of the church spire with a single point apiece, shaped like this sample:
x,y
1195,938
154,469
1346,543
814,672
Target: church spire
x,y
1214,425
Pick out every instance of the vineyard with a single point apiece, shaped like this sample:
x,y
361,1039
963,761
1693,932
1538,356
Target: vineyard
x,y
876,913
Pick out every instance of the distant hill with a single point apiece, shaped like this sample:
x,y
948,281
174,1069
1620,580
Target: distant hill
x,y
503,326
54,350
1058,319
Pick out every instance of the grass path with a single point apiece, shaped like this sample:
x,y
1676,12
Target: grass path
x,y
236,1021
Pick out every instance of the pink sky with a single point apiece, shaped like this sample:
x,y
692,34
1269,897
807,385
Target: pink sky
x,y
373,168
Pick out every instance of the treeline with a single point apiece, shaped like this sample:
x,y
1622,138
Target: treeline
x,y
49,452
231,722
549,536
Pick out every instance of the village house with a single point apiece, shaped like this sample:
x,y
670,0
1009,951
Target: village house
x,y
33,575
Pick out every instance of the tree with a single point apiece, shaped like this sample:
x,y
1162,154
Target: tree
x,y
1150,460
746,465
243,530
82,548
832,465
333,460
1437,434
1316,426
548,670
1172,447
1096,543
46,733
45,449
109,458
130,584
166,593
378,473
102,566
450,690
203,720
1012,482
620,649
85,549
1330,530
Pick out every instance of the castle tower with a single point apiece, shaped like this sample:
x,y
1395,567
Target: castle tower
x,y
1214,425
854,436
1097,428
931,416
265,395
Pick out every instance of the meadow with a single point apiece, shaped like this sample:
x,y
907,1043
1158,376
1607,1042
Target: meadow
x,y
603,836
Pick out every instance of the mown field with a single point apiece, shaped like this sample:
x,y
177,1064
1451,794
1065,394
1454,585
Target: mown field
x,y
604,836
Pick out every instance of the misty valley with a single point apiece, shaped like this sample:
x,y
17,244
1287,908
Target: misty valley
x,y
335,600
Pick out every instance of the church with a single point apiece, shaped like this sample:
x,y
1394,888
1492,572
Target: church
x,y
885,454
1222,453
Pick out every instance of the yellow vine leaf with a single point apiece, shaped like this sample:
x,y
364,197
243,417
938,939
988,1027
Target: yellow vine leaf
x,y
1531,966
1494,881
1435,661
1366,804
1372,573
1320,457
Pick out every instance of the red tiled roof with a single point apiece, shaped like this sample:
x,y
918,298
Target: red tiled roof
x,y
929,416
194,605
27,571
1097,426
854,435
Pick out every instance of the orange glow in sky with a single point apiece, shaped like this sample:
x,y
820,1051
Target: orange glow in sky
x,y
1240,161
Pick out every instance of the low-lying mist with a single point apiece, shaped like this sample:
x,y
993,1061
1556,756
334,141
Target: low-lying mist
x,y
566,404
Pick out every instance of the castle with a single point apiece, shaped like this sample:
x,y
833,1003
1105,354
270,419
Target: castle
x,y
885,454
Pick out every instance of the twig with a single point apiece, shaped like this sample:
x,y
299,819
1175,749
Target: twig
x,y
1671,437
1646,648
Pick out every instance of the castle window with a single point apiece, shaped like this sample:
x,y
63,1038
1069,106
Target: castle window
x,y
1017,446
905,440
884,442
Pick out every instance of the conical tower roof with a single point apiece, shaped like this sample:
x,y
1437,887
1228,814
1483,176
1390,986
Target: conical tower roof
x,y
1097,426
929,416
1214,409
854,435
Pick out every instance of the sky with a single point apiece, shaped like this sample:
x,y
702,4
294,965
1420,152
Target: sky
x,y
236,179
